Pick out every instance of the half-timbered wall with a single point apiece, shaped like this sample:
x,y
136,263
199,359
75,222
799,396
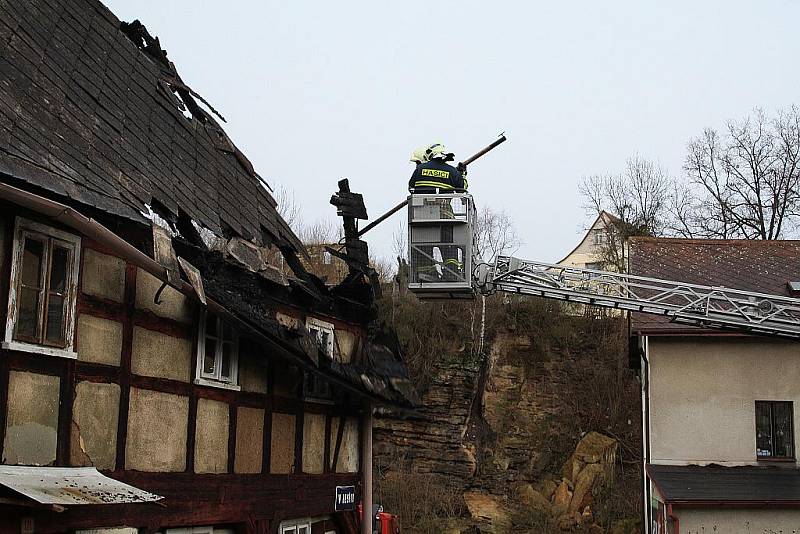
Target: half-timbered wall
x,y
128,405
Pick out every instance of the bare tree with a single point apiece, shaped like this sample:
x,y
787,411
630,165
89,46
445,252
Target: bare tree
x,y
288,207
747,180
400,241
496,234
321,232
636,201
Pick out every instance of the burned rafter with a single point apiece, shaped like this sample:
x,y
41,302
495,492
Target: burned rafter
x,y
350,206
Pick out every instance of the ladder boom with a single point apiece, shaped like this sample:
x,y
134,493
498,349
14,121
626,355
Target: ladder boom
x,y
693,304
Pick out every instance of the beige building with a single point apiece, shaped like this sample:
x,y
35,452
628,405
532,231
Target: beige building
x,y
718,408
588,253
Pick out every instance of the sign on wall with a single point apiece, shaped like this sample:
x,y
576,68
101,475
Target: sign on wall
x,y
345,499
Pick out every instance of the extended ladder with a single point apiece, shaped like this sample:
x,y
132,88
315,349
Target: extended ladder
x,y
699,305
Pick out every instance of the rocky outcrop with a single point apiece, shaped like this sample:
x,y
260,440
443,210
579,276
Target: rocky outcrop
x,y
503,432
588,469
488,511
434,439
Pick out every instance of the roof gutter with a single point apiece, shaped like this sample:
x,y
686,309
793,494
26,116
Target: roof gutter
x,y
95,230
87,226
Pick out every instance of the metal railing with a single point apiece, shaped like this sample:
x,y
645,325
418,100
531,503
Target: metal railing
x,y
699,305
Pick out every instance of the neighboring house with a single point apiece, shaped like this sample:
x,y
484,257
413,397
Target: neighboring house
x,y
143,332
719,408
588,253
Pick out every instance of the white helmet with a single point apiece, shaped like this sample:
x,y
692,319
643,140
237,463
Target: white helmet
x,y
438,151
419,155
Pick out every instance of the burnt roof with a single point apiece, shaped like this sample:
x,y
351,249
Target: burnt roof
x,y
750,265
91,112
691,483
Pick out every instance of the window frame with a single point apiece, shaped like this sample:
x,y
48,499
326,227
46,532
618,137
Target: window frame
x,y
599,237
216,379
25,228
292,526
320,394
312,323
772,457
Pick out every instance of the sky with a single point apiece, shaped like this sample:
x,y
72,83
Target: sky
x,y
318,91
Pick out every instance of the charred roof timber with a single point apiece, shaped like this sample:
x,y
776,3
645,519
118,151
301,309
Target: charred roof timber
x,y
92,135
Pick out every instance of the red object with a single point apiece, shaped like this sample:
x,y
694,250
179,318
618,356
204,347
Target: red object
x,y
388,523
385,522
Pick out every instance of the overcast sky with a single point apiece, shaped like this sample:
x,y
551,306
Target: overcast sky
x,y
317,91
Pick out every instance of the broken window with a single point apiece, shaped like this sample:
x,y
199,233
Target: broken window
x,y
774,430
44,278
316,388
217,352
323,333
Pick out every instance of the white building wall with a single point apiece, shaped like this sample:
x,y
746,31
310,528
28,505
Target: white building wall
x,y
703,393
738,521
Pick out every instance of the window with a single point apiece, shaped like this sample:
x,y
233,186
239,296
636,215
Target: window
x,y
44,278
296,528
315,387
599,236
323,332
217,352
774,430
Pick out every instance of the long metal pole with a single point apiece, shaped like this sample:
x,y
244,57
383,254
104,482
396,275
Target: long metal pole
x,y
464,163
382,218
366,467
483,151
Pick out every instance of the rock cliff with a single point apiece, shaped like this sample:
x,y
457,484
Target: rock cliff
x,y
504,432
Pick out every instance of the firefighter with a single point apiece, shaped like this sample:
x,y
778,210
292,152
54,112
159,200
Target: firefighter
x,y
434,173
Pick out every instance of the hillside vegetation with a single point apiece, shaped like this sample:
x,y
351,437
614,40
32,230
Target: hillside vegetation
x,y
511,385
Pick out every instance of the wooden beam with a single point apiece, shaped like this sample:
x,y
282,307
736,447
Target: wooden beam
x,y
125,363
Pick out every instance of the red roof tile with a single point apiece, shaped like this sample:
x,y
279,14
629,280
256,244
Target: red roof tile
x,y
762,266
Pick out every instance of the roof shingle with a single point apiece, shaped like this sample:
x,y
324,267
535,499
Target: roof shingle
x,y
87,114
750,265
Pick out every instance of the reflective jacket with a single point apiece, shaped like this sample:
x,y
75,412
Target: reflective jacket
x,y
436,174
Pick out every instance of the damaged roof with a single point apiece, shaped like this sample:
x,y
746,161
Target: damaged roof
x,y
377,369
92,112
90,109
750,265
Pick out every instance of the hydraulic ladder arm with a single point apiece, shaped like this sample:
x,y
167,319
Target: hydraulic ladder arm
x,y
698,305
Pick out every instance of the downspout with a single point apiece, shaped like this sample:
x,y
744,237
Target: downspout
x,y
646,510
675,521
366,467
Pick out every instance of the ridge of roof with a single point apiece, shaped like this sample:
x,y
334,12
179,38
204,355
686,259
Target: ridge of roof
x,y
588,232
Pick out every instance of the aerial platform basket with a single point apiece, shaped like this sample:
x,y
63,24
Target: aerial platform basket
x,y
441,245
